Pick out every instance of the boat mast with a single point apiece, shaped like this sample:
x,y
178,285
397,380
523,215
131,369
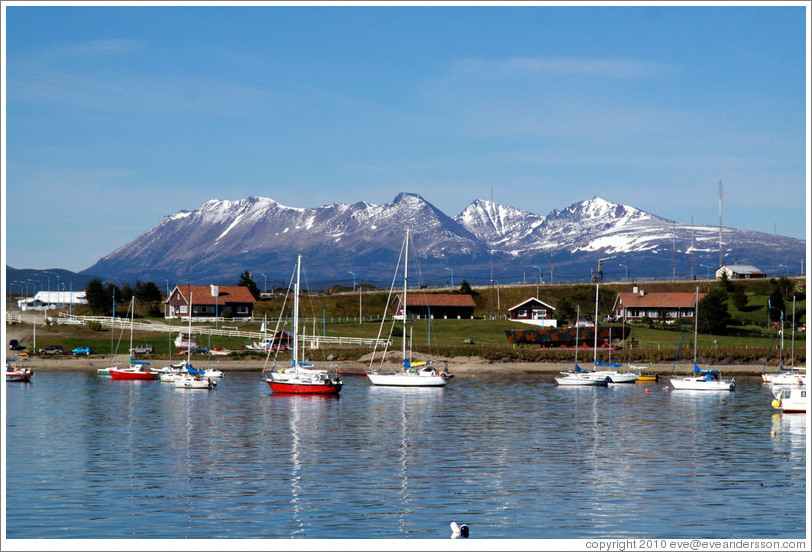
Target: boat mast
x,y
792,343
577,318
696,320
595,348
405,285
132,315
189,343
295,351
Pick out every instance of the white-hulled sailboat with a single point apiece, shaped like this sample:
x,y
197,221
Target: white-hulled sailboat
x,y
701,379
579,376
412,374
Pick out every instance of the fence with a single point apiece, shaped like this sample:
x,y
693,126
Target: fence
x,y
125,323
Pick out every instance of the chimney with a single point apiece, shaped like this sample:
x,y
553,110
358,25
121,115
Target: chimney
x,y
642,293
215,291
634,289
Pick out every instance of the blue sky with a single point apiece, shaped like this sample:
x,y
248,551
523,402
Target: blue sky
x,y
117,116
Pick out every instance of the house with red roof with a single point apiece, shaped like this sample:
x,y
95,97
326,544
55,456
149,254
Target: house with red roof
x,y
209,302
637,304
436,305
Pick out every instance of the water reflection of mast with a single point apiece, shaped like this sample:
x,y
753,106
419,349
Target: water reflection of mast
x,y
295,464
404,478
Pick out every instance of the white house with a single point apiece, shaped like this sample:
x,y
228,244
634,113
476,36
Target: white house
x,y
534,311
740,272
52,300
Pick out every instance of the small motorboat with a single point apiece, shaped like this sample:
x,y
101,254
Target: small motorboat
x,y
790,399
16,372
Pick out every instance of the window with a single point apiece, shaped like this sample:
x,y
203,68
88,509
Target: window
x,y
242,309
183,309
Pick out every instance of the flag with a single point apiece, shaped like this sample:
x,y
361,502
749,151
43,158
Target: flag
x,y
769,305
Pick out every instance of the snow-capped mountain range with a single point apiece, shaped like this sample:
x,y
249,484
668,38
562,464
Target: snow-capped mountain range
x,y
221,239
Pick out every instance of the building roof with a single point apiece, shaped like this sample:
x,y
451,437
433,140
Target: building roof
x,y
742,269
202,295
60,296
528,300
438,300
668,299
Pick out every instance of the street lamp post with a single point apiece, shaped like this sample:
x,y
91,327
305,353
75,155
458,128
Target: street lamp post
x,y
265,285
58,303
452,275
627,270
538,281
49,283
353,279
786,268
708,267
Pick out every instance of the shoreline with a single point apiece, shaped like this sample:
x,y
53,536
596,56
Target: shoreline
x,y
462,366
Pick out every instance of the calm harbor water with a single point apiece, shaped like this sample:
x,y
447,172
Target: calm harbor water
x,y
512,456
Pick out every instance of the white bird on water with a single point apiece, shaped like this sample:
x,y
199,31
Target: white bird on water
x,y
458,530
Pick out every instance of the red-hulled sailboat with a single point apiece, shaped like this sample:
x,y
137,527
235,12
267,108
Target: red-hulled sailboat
x,y
301,378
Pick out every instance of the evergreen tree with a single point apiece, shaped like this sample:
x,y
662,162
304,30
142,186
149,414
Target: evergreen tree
x,y
564,311
712,312
738,296
147,292
247,280
97,299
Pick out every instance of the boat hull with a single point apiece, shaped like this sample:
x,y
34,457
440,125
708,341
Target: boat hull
x,y
23,377
581,380
565,337
791,400
132,376
407,380
304,388
701,384
620,377
194,383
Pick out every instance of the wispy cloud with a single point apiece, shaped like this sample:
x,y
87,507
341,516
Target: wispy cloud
x,y
607,67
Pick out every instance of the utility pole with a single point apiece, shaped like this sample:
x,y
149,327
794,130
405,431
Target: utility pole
x,y
720,224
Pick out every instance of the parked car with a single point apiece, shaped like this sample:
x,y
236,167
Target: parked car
x,y
142,349
52,350
82,351
14,345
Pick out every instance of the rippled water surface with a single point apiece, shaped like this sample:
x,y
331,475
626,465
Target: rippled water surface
x,y
513,457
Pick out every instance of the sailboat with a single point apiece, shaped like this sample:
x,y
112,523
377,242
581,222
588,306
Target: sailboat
x,y
302,377
105,372
613,375
791,375
138,369
579,376
192,378
643,372
412,374
701,379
